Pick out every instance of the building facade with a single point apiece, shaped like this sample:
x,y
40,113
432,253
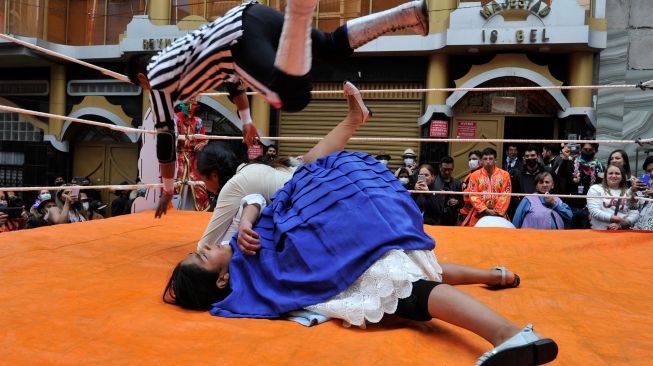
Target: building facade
x,y
471,44
627,59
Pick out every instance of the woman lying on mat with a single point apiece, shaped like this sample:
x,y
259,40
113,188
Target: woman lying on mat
x,y
217,167
342,238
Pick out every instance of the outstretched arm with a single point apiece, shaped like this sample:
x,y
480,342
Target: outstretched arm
x,y
239,98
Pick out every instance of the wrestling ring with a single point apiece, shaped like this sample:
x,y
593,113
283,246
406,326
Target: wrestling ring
x,y
90,293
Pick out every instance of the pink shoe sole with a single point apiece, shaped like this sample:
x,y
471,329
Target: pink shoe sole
x,y
350,90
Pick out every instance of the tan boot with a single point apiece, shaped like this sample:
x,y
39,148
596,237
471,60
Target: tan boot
x,y
412,15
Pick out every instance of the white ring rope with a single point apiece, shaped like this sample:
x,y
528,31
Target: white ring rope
x,y
106,72
475,89
315,138
78,120
121,77
110,187
198,183
529,195
409,139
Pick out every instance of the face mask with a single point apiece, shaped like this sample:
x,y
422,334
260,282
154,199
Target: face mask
x,y
587,156
531,162
85,205
384,162
140,192
403,180
45,197
408,161
473,164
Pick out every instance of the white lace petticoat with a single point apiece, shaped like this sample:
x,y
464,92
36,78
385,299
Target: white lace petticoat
x,y
377,291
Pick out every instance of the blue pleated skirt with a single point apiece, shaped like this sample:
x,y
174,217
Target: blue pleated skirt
x,y
323,229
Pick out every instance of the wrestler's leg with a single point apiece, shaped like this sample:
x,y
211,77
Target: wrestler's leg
x,y
338,137
341,43
456,274
456,307
513,346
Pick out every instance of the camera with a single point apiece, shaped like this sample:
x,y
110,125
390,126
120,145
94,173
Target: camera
x,y
13,208
574,149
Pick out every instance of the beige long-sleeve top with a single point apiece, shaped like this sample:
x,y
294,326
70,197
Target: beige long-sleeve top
x,y
249,179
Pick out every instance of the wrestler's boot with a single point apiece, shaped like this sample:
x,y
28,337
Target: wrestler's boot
x,y
412,15
293,60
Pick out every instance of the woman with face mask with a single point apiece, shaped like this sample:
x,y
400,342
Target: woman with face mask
x,y
40,208
474,163
404,175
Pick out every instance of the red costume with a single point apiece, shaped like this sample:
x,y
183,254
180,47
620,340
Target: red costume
x,y
189,124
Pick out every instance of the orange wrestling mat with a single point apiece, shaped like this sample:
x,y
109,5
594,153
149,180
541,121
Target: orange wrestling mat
x,y
91,294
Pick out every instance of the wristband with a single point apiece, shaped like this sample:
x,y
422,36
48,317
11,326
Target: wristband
x,y
168,186
245,116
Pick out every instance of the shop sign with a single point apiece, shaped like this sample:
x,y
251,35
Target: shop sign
x,y
150,44
530,35
466,129
504,105
536,7
439,128
254,151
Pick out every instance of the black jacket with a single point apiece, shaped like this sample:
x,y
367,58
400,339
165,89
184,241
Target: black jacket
x,y
435,208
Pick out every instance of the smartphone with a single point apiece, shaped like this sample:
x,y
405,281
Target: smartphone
x,y
421,178
645,178
74,193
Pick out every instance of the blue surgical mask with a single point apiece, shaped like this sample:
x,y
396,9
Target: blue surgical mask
x,y
383,161
45,197
408,161
403,180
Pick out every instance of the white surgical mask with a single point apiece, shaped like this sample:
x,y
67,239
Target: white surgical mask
x,y
383,161
473,164
85,205
403,180
408,161
45,196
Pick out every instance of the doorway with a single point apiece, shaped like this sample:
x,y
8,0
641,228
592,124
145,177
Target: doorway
x,y
532,128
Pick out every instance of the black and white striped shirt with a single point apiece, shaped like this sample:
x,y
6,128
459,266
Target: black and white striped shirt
x,y
195,63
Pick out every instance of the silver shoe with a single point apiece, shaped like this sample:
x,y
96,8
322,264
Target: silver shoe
x,y
414,15
524,349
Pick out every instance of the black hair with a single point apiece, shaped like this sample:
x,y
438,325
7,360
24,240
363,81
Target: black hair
x,y
489,151
137,64
446,160
554,148
532,147
193,287
624,156
649,160
513,144
595,146
217,157
475,152
402,170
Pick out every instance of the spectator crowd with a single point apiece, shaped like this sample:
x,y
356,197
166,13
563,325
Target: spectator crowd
x,y
569,170
60,206
572,169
